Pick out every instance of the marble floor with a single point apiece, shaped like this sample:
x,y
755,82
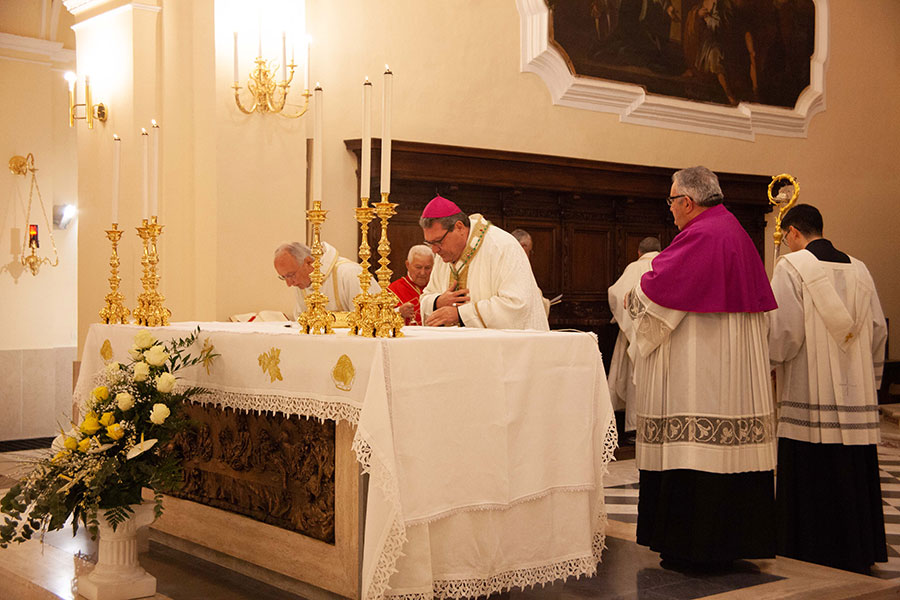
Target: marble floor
x,y
628,571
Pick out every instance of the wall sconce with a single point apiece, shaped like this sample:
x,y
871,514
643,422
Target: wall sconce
x,y
22,165
63,215
269,96
91,111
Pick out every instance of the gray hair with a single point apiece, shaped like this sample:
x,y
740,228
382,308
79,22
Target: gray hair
x,y
296,249
419,250
700,184
649,244
521,235
446,222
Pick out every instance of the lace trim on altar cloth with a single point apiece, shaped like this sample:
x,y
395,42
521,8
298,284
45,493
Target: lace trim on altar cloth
x,y
290,405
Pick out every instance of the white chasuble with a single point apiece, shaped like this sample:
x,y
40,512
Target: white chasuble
x,y
503,292
341,283
704,399
621,368
826,340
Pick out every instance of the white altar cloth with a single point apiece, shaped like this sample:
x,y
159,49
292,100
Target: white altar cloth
x,y
486,449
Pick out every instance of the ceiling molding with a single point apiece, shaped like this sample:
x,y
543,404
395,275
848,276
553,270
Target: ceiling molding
x,y
634,105
47,50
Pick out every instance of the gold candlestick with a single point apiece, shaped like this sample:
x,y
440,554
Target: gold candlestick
x,y
114,310
388,322
362,320
316,320
150,311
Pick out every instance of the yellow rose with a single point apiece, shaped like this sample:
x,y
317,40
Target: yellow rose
x,y
115,431
156,356
107,419
84,444
100,392
90,425
141,371
70,443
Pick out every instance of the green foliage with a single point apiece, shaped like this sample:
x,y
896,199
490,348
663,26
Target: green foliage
x,y
101,465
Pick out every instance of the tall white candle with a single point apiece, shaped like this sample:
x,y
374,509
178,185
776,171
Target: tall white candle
x,y
235,58
145,142
117,157
283,57
306,71
154,169
386,133
317,145
366,167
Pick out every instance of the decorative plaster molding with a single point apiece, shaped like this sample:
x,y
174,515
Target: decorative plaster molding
x,y
51,51
634,105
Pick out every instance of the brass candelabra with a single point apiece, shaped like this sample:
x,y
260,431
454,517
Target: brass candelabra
x,y
264,87
150,311
114,310
388,322
316,320
362,319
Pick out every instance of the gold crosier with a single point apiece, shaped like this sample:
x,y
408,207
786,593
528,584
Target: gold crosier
x,y
362,319
114,310
316,320
150,311
783,206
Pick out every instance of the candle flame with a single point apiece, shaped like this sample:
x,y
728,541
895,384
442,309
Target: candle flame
x,y
153,122
143,131
116,137
367,82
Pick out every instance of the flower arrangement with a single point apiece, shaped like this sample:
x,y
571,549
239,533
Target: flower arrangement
x,y
121,446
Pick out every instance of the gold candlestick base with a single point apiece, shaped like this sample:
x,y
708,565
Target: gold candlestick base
x,y
150,311
362,319
114,310
316,320
388,322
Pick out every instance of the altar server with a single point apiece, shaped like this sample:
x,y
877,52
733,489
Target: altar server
x,y
419,263
294,265
827,341
705,423
484,278
621,368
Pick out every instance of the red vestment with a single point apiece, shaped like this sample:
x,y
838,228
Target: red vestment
x,y
408,291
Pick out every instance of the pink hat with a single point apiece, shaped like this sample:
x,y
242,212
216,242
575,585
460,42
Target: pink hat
x,y
440,207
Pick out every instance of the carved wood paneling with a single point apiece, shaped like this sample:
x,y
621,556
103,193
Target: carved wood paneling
x,y
586,217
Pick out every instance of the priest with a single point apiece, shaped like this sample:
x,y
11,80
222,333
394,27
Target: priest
x,y
827,342
705,424
621,368
294,265
484,278
419,263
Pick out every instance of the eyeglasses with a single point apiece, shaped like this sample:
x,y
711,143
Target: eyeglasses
x,y
436,243
671,199
291,275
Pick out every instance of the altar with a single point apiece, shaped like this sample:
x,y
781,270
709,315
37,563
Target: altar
x,y
485,452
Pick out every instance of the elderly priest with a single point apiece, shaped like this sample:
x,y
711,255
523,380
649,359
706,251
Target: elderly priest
x,y
294,264
705,425
484,279
408,289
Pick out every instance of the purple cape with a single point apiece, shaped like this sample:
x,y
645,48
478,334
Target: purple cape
x,y
711,266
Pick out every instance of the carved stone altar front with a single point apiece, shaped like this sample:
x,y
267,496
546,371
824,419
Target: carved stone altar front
x,y
272,468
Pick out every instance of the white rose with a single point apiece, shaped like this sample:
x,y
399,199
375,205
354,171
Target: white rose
x,y
125,401
144,339
156,356
135,353
159,413
141,371
112,369
165,383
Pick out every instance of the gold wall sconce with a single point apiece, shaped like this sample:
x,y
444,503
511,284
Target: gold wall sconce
x,y
92,111
22,165
268,94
